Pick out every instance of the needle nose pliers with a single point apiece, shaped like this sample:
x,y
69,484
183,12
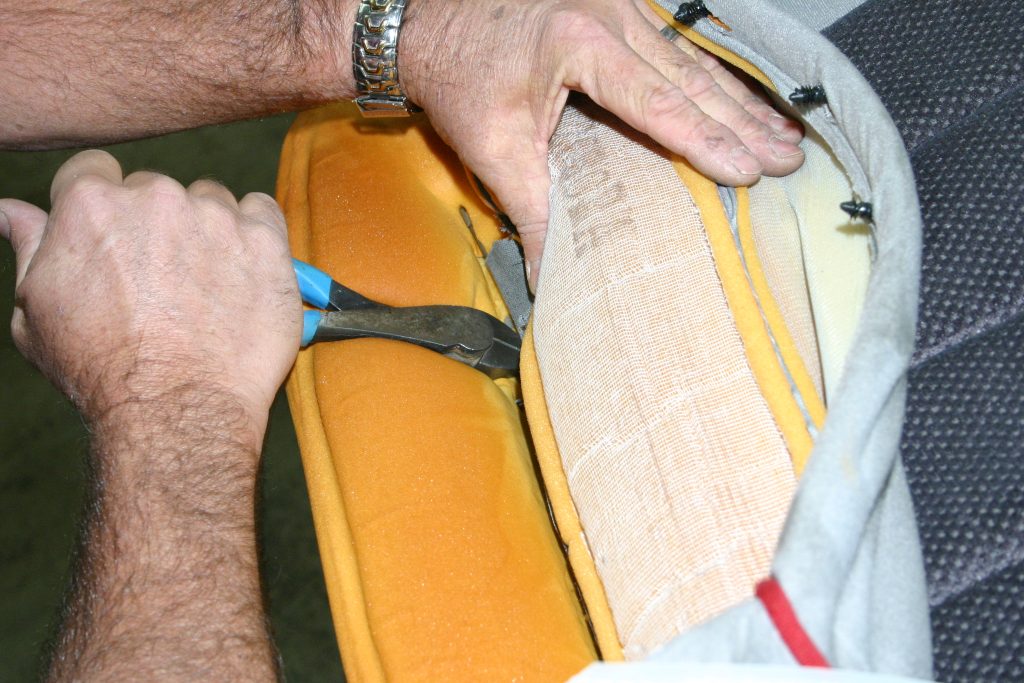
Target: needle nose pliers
x,y
465,334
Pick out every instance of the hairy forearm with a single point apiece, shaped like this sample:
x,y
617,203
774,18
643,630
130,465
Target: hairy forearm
x,y
167,586
99,71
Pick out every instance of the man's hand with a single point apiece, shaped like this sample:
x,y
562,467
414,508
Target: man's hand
x,y
133,287
170,317
494,75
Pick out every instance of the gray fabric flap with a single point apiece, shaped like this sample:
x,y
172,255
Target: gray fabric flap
x,y
849,559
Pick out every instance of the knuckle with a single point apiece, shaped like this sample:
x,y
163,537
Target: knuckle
x,y
85,190
754,103
162,185
93,156
710,136
215,211
697,82
708,62
206,185
746,126
663,101
264,205
20,338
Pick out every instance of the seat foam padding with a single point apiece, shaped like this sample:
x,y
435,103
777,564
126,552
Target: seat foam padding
x,y
439,558
679,471
776,237
837,253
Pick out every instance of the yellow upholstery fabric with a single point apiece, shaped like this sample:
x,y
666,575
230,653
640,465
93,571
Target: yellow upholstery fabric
x,y
564,510
757,317
440,561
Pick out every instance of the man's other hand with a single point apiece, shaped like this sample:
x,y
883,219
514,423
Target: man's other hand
x,y
134,288
494,75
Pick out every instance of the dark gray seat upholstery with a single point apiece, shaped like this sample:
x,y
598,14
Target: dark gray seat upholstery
x,y
951,73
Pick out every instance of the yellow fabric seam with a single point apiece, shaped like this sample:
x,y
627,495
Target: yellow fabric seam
x,y
557,487
776,323
715,49
334,538
771,379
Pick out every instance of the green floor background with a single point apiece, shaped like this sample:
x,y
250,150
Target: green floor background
x,y
43,442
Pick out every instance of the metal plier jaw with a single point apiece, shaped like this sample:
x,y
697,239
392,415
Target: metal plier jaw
x,y
462,333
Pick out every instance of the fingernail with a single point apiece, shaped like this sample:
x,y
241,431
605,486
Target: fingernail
x,y
745,162
786,128
783,149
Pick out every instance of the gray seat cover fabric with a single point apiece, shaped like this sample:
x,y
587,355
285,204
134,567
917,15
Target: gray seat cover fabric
x,y
951,73
849,558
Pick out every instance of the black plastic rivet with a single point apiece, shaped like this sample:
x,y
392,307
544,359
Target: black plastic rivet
x,y
808,94
689,12
857,209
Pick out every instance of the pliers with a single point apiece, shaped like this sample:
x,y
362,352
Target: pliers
x,y
462,333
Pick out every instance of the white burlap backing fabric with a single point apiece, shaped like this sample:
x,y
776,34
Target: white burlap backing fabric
x,y
678,472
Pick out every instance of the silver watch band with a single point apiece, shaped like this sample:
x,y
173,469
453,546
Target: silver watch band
x,y
375,59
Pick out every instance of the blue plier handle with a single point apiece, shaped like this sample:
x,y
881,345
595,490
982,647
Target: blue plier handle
x,y
465,334
321,290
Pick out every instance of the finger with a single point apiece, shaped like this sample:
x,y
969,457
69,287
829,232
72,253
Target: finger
x,y
522,184
210,189
262,208
25,227
776,155
747,94
513,166
621,81
92,162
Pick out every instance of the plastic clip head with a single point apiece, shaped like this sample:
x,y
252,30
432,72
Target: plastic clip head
x,y
690,12
857,209
808,95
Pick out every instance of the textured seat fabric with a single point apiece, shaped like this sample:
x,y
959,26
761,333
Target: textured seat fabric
x,y
951,73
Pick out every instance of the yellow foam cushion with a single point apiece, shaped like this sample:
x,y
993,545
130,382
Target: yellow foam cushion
x,y
439,558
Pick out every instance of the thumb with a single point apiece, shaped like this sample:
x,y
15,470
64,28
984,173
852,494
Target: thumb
x,y
23,225
522,188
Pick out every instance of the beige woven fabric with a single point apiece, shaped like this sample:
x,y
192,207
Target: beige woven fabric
x,y
678,472
777,239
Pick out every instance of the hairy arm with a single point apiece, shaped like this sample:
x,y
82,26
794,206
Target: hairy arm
x,y
167,584
492,75
170,317
99,71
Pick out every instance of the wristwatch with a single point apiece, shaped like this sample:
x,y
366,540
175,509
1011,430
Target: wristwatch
x,y
375,59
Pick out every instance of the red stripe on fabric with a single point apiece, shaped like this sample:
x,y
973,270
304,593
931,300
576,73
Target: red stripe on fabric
x,y
780,610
